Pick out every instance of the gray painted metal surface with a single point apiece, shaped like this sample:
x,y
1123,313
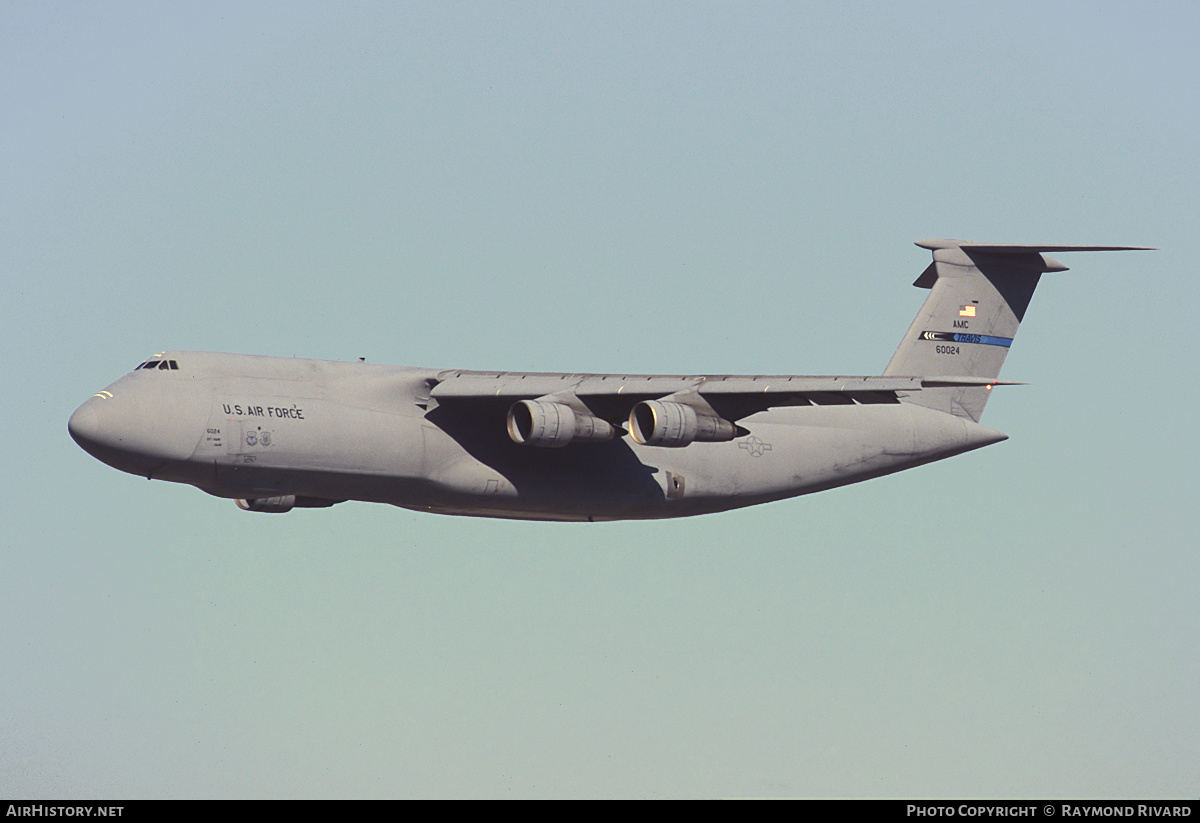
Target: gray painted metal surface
x,y
277,433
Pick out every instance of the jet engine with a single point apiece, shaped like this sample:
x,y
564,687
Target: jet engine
x,y
273,505
553,425
663,423
283,503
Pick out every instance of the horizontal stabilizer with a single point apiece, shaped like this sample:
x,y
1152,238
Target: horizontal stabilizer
x,y
1018,248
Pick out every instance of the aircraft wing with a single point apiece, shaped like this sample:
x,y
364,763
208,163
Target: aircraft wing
x,y
612,396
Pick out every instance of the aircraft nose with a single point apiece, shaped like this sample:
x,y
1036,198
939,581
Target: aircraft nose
x,y
85,425
139,429
108,431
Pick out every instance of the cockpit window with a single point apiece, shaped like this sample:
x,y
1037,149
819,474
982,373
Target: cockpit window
x,y
166,365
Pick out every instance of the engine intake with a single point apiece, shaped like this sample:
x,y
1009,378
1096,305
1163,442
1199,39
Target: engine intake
x,y
554,425
663,423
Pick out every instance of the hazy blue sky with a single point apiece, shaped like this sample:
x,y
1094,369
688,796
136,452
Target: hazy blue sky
x,y
672,187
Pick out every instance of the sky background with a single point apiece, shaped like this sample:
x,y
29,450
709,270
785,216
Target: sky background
x,y
672,188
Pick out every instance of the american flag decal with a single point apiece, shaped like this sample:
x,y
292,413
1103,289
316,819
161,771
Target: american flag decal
x,y
966,311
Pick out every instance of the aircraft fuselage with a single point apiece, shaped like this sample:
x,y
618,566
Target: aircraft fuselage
x,y
261,428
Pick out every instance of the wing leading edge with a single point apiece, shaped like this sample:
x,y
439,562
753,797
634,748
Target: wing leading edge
x,y
480,385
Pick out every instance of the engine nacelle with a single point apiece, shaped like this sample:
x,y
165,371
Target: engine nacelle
x,y
284,503
271,505
553,425
663,423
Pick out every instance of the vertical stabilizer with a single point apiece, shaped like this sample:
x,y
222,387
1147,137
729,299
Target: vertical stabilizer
x,y
978,296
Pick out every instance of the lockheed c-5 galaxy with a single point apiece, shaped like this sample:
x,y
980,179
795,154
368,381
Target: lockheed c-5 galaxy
x,y
276,433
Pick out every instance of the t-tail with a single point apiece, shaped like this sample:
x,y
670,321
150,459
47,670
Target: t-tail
x,y
977,299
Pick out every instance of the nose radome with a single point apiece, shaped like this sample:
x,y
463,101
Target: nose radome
x,y
107,429
85,425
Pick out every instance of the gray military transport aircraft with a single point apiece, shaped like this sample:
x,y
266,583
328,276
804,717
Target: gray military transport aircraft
x,y
276,433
